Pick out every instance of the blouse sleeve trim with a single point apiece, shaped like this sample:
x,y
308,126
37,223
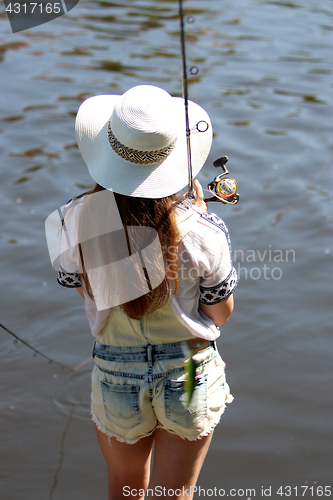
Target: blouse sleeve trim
x,y
215,294
69,280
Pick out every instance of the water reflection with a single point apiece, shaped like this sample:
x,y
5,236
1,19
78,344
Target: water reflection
x,y
31,153
10,46
12,118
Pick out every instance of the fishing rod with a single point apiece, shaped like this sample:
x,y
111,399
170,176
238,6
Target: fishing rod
x,y
223,189
185,97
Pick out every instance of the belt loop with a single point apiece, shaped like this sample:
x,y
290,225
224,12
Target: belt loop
x,y
149,356
93,350
214,345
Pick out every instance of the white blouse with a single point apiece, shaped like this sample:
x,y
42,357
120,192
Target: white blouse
x,y
205,271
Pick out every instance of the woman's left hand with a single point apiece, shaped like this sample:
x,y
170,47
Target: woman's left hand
x,y
199,199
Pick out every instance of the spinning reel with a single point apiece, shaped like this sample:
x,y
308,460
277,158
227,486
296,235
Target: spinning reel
x,y
223,188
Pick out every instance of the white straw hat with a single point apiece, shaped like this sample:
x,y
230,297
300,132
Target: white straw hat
x,y
135,144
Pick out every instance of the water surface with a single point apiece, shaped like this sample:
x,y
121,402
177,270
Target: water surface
x,y
265,78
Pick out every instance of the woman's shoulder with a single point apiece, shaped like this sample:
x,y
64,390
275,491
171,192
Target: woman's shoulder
x,y
76,201
204,236
71,209
196,221
213,222
212,234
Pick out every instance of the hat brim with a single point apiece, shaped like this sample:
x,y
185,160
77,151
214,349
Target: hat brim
x,y
147,181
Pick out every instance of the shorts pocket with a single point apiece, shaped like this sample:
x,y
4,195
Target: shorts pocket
x,y
176,409
121,404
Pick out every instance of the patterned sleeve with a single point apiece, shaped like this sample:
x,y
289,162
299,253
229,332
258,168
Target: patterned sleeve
x,y
68,275
69,280
218,293
221,279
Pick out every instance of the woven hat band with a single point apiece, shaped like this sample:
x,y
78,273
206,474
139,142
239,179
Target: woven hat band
x,y
136,156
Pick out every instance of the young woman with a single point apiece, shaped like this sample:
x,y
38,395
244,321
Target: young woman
x,y
156,275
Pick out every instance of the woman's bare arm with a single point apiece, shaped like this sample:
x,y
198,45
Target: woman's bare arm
x,y
219,313
80,290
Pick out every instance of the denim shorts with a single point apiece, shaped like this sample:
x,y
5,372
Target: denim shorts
x,y
137,389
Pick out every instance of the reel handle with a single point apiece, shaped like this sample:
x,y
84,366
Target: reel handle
x,y
220,162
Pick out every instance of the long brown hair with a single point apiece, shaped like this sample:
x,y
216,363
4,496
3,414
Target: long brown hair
x,y
155,213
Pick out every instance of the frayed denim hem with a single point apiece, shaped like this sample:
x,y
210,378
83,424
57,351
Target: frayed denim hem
x,y
200,436
121,439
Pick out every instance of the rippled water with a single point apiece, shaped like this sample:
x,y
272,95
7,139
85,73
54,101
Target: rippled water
x,y
265,77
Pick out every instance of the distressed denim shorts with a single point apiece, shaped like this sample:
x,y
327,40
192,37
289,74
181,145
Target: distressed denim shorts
x,y
137,389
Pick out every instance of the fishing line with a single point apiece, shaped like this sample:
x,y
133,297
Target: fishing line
x,y
61,454
36,351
